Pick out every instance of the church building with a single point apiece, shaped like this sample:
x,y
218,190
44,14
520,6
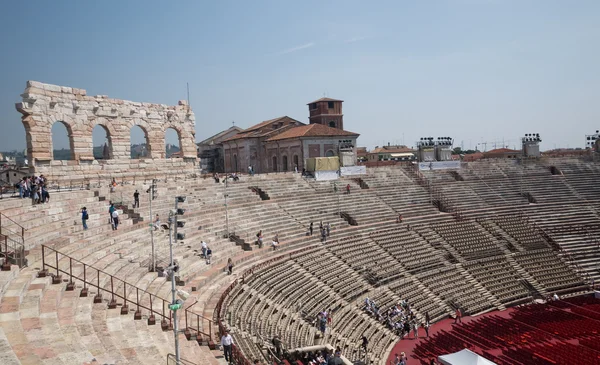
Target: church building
x,y
283,143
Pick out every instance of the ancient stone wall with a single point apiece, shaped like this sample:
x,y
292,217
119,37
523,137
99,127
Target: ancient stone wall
x,y
44,104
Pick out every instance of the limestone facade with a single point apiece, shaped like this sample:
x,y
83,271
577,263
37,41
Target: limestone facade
x,y
43,105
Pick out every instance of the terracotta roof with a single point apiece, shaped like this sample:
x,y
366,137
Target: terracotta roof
x,y
257,129
502,150
312,130
324,99
262,124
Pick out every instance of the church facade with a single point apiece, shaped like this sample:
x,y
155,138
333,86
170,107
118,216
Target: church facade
x,y
284,144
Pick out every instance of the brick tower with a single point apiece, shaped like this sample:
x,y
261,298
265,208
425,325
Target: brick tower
x,y
326,111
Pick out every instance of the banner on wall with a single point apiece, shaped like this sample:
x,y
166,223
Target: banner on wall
x,y
325,175
439,165
353,170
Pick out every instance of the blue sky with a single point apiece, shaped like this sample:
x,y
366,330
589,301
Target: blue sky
x,y
475,70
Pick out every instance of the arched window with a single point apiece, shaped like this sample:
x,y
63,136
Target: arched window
x,y
284,162
102,143
296,161
139,144
172,144
329,153
332,124
62,141
275,163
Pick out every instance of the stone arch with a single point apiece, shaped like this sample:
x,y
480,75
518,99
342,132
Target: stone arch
x,y
170,129
296,164
274,162
102,145
329,153
332,124
137,148
61,154
284,163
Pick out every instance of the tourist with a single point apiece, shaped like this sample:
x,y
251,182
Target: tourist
x,y
113,185
396,360
329,317
136,199
277,343
458,316
426,327
208,255
348,189
204,246
336,360
259,239
365,342
227,342
216,177
19,185
296,168
115,218
229,266
111,209
311,228
328,228
84,217
399,219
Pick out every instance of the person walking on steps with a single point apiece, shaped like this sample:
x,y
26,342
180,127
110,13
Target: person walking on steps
x,y
227,343
458,316
136,199
115,218
111,209
84,217
229,266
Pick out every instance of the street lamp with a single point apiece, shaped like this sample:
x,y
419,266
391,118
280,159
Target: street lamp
x,y
174,268
226,209
151,191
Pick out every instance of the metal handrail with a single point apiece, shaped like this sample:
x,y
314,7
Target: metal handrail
x,y
172,360
2,216
114,282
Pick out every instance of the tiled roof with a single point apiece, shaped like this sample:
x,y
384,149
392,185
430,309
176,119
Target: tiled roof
x,y
312,130
262,124
324,99
258,129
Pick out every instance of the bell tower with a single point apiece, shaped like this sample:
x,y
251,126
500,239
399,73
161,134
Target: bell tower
x,y
326,111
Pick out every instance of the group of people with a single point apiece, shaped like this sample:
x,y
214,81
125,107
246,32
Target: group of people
x,y
324,230
260,243
233,176
398,318
323,320
34,187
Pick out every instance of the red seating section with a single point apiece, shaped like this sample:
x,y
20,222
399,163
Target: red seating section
x,y
561,332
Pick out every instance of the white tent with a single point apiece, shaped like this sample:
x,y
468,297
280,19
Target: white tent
x,y
464,357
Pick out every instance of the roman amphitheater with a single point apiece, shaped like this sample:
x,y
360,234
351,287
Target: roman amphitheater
x,y
495,239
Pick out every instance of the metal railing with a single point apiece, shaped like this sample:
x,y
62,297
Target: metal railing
x,y
12,242
56,264
171,360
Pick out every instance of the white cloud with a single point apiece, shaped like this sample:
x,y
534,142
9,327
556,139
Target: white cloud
x,y
298,48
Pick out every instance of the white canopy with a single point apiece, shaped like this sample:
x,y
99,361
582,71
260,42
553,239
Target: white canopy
x,y
464,357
